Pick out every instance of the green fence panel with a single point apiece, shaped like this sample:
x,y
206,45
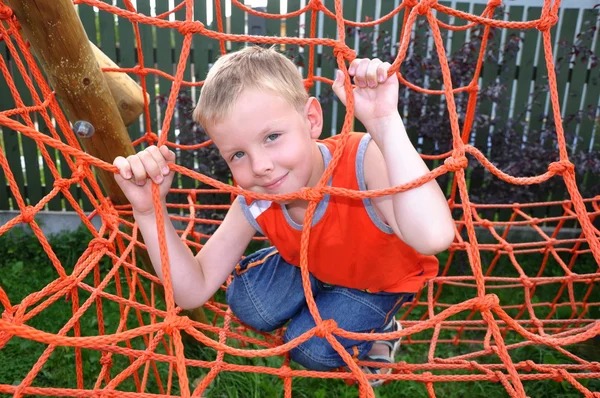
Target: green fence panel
x,y
526,73
237,25
186,182
4,104
146,34
108,38
127,58
11,141
203,46
88,16
29,146
273,25
589,125
54,203
540,82
436,101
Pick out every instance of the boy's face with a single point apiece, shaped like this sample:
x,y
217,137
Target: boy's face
x,y
268,145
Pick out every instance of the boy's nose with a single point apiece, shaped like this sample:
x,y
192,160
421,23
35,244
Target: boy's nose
x,y
261,166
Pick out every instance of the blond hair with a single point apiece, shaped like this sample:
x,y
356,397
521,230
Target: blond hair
x,y
252,67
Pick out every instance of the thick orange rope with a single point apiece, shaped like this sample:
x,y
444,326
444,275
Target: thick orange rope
x,y
486,316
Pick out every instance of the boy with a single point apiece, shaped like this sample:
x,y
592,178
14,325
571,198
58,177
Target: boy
x,y
366,257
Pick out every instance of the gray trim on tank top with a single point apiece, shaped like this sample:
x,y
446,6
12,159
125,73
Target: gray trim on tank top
x,y
360,176
249,216
322,206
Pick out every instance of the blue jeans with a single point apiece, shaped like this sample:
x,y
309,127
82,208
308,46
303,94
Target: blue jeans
x,y
266,292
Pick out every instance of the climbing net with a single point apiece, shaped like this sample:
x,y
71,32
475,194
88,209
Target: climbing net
x,y
486,303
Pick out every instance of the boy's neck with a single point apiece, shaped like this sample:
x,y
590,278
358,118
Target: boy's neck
x,y
317,172
318,165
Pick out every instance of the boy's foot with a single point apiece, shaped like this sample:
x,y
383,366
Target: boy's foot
x,y
383,351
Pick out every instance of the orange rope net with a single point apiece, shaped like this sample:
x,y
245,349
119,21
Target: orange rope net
x,y
555,305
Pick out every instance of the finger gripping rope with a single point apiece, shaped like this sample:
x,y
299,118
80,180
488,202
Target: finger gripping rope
x,y
325,328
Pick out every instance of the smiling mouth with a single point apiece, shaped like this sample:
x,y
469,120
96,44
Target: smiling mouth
x,y
275,184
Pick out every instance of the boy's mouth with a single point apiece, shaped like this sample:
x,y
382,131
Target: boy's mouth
x,y
276,183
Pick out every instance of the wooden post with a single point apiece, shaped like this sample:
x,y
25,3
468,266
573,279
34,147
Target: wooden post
x,y
127,93
58,39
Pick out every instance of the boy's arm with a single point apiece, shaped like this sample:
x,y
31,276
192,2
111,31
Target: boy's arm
x,y
420,216
196,279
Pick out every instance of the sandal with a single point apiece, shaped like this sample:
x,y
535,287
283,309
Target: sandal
x,y
393,326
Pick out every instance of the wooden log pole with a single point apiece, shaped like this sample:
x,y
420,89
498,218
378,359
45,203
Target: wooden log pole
x,y
62,48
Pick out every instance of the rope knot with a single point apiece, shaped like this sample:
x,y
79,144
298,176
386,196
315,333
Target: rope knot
x,y
7,315
310,194
494,3
325,328
561,167
455,164
5,12
80,169
151,138
424,6
27,214
138,70
173,322
557,375
106,360
62,184
527,365
411,3
486,303
487,224
101,245
308,83
526,282
547,22
187,27
346,52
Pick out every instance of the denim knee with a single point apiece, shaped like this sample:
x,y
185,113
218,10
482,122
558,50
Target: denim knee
x,y
316,354
266,291
244,305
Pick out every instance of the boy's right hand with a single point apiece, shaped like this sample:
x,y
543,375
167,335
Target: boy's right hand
x,y
134,172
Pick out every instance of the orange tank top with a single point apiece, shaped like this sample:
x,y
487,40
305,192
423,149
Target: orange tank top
x,y
349,244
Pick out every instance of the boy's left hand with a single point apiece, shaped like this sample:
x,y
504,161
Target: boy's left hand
x,y
375,95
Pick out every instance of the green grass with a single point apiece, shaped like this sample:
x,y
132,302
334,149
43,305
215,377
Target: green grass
x,y
25,268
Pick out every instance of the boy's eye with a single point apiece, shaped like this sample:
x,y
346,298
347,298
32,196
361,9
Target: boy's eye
x,y
272,137
237,155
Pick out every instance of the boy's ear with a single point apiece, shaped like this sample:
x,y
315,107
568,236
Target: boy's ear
x,y
314,116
